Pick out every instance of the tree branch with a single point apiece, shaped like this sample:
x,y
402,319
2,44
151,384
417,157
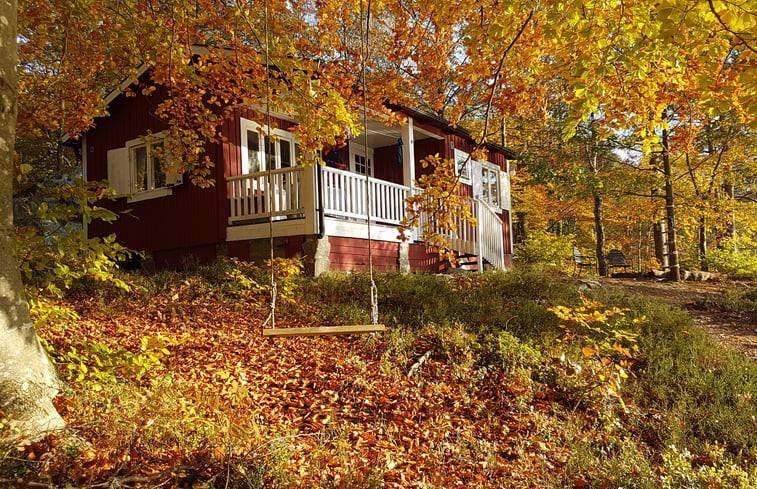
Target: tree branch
x,y
728,29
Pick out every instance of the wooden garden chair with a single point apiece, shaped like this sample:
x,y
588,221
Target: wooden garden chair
x,y
580,261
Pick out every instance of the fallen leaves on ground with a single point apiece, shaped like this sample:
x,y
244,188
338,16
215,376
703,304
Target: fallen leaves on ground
x,y
297,412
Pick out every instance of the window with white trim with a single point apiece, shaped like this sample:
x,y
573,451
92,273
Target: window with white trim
x,y
283,149
463,164
361,161
490,187
148,162
141,171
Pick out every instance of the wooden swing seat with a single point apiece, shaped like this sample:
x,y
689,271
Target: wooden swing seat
x,y
325,330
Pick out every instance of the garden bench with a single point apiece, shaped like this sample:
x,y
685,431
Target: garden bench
x,y
616,259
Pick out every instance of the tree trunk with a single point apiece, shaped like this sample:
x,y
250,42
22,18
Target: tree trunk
x,y
27,377
522,226
659,245
599,226
703,242
670,212
730,230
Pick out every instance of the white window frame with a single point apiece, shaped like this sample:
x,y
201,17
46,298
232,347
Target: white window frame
x,y
462,168
277,135
151,192
494,189
357,149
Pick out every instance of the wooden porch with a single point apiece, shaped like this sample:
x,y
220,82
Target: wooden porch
x,y
330,202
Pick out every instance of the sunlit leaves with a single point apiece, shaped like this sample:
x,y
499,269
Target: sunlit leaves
x,y
53,250
607,338
437,208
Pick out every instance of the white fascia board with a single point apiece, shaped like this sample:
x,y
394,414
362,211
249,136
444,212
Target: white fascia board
x,y
125,84
427,133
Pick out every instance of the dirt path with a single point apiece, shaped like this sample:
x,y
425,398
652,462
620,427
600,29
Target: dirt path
x,y
735,330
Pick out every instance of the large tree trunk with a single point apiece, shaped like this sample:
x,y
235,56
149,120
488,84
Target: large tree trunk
x,y
599,227
659,244
670,211
27,377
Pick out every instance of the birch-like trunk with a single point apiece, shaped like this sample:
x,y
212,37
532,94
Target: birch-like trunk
x,y
28,381
670,212
599,226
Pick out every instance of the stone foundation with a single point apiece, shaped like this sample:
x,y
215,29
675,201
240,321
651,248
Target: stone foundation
x,y
316,253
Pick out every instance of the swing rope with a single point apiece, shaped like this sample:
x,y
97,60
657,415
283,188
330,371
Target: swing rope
x,y
267,145
363,61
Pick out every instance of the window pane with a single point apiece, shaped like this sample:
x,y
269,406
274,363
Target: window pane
x,y
286,153
271,160
253,151
139,156
158,161
360,164
495,187
493,193
462,164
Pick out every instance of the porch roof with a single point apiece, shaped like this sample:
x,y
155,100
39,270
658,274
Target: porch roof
x,y
445,125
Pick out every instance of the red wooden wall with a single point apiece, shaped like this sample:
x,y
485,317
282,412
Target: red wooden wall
x,y
351,254
424,260
193,220
387,167
190,218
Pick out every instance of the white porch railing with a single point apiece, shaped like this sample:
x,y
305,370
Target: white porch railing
x,y
344,195
249,195
490,235
485,240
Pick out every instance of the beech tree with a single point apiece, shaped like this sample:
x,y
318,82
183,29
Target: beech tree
x,y
28,381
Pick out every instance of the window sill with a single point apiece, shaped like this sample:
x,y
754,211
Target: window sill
x,y
149,194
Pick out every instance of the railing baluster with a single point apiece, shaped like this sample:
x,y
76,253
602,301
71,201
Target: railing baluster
x,y
252,197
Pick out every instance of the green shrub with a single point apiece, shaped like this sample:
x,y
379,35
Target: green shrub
x,y
545,247
707,391
96,364
736,257
682,469
55,253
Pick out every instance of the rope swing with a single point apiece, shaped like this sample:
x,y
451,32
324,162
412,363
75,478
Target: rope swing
x,y
363,60
325,330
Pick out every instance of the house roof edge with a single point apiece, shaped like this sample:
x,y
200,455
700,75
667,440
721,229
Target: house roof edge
x,y
446,125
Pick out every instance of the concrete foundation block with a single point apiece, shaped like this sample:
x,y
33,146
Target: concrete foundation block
x,y
316,253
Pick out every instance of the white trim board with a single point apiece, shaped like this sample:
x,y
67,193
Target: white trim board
x,y
351,229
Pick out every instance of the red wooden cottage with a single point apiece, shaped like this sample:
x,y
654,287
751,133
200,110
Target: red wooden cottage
x,y
318,212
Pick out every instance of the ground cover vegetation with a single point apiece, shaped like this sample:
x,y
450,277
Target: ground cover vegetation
x,y
487,380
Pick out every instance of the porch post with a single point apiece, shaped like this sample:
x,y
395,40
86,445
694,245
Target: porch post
x,y
309,196
408,162
408,154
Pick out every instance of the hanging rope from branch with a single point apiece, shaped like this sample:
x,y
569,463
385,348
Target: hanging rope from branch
x,y
267,145
363,61
326,330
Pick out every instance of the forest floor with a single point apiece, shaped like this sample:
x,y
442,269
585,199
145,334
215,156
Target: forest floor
x,y
731,328
477,383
